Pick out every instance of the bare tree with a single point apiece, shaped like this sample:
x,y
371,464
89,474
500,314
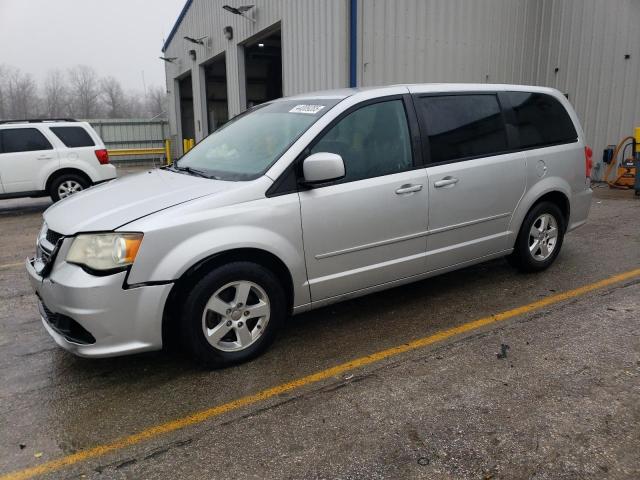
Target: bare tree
x,y
80,93
113,97
157,102
135,105
84,91
22,95
4,92
56,96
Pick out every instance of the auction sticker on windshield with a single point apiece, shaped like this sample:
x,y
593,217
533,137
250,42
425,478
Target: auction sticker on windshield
x,y
308,109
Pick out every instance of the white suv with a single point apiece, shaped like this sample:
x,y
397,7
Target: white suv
x,y
50,157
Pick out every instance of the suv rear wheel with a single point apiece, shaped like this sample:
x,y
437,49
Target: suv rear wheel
x,y
233,314
66,185
540,238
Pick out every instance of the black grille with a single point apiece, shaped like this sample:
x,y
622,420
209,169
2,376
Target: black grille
x,y
67,326
53,237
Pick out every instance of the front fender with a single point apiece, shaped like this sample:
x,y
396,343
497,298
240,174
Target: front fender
x,y
270,224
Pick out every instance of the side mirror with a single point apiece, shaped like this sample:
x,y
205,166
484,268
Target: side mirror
x,y
322,167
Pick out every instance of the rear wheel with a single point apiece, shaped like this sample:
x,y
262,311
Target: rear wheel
x,y
66,185
540,238
233,314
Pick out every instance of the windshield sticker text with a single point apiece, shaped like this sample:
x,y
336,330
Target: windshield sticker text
x,y
308,109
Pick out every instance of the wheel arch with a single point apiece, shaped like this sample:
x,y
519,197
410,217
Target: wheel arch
x,y
553,189
65,171
181,288
560,200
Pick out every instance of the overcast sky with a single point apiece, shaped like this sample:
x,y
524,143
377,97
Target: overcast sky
x,y
122,38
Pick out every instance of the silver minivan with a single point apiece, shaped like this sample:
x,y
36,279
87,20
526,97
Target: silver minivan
x,y
306,201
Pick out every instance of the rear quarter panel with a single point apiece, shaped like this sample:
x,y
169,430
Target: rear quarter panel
x,y
555,169
559,168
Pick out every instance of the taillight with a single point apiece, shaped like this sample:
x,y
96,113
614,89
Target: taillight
x,y
102,156
588,161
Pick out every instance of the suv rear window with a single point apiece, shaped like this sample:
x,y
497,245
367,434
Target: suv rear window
x,y
22,140
541,120
73,137
463,126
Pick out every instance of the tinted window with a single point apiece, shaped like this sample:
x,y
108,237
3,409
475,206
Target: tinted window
x,y
462,126
73,136
373,141
23,140
541,119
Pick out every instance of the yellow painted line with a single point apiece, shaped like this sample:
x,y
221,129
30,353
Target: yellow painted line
x,y
203,415
11,265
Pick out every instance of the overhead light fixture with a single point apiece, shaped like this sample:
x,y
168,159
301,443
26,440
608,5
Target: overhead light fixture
x,y
168,59
261,45
198,41
240,10
228,32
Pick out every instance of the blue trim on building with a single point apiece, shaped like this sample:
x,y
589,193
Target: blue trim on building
x,y
353,43
176,25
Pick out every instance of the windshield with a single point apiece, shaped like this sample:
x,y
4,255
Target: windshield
x,y
248,145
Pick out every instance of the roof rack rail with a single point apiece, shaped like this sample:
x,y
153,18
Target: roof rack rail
x,y
38,120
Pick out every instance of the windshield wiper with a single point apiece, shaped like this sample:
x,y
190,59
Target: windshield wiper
x,y
193,171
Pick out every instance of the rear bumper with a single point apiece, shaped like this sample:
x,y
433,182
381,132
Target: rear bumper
x,y
580,206
119,320
105,173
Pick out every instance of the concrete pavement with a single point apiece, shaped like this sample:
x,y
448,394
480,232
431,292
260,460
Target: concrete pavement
x,y
568,408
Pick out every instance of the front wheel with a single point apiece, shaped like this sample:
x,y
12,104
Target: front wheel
x,y
232,314
540,238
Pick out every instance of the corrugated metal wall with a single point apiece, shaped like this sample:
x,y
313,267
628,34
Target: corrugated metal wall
x,y
514,41
586,41
417,41
403,41
314,48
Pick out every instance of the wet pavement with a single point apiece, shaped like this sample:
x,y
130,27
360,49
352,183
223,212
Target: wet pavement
x,y
569,407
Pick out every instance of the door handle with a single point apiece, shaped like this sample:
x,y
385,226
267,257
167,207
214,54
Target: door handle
x,y
446,182
408,188
44,157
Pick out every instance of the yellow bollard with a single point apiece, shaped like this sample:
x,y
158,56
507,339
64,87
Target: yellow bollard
x,y
187,144
637,137
167,151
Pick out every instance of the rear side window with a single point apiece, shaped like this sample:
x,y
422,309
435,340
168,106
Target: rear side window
x,y
22,140
463,126
540,120
73,136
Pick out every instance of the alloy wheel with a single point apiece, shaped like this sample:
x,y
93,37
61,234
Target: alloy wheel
x,y
543,237
69,187
235,316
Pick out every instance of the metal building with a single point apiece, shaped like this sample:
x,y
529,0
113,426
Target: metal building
x,y
589,49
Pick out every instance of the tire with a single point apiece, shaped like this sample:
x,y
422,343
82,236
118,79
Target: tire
x,y
67,182
531,253
216,329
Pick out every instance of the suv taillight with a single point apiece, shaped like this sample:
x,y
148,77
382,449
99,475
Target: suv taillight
x,y
588,161
102,156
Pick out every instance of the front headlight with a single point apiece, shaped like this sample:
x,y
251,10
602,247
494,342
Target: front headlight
x,y
105,251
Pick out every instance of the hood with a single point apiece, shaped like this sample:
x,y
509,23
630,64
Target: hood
x,y
120,201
